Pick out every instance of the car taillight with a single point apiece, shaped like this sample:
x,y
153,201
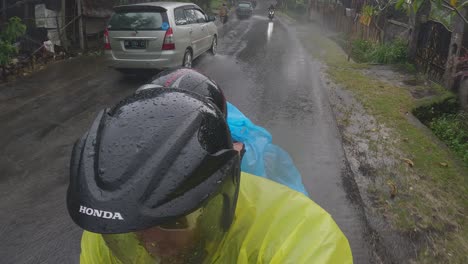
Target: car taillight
x,y
107,45
169,40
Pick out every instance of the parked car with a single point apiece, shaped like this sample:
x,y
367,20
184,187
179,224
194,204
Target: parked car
x,y
158,35
244,9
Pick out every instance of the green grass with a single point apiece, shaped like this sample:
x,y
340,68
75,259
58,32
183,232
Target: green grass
x,y
432,199
453,130
447,123
388,53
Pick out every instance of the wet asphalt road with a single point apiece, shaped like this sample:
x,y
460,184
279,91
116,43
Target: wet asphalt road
x,y
263,70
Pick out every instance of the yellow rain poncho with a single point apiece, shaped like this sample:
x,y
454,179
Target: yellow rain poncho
x,y
273,224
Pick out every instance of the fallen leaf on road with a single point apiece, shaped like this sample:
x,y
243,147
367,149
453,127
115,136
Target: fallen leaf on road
x,y
443,164
409,162
374,129
393,189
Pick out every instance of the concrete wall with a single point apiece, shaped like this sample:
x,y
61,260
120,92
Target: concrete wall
x,y
95,25
394,31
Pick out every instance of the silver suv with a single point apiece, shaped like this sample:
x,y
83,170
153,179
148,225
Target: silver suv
x,y
158,35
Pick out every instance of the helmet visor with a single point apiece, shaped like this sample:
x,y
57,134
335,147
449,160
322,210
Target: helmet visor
x,y
186,239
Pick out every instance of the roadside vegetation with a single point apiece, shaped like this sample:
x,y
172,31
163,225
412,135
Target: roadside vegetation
x,y
448,123
364,51
424,197
13,29
453,130
443,117
215,4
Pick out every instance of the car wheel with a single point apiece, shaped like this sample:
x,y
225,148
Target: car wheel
x,y
214,45
187,63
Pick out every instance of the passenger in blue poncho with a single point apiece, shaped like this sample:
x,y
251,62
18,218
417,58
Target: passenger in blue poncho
x,y
262,158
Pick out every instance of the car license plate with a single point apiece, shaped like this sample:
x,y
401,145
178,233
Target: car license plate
x,y
135,44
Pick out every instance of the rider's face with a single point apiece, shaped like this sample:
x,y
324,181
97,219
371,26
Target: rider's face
x,y
168,244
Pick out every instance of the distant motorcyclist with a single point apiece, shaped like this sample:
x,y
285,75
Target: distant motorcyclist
x,y
223,13
271,12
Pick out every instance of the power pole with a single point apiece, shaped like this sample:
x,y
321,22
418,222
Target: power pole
x,y
80,24
458,26
4,9
62,28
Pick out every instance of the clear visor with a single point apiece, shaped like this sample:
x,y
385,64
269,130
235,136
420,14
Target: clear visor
x,y
189,239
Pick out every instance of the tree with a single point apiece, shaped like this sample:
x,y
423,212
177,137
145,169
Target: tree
x,y
11,32
454,6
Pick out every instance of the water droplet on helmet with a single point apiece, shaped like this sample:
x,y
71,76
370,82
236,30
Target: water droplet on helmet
x,y
139,145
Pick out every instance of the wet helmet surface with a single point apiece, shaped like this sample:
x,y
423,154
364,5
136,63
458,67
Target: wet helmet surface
x,y
189,80
157,155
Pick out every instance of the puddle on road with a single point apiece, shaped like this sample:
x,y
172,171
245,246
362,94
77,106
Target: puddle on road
x,y
225,71
270,30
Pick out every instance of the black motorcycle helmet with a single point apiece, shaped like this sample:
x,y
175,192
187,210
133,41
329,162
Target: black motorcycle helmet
x,y
156,157
190,80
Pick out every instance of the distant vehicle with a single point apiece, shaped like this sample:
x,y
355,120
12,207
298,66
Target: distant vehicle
x,y
271,14
158,35
244,9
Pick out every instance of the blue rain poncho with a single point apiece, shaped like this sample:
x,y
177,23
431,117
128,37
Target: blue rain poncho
x,y
262,158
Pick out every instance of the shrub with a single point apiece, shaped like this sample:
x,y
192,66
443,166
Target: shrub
x,y
360,50
11,32
389,53
453,130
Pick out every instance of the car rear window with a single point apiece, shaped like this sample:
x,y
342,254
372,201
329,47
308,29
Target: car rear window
x,y
137,20
244,5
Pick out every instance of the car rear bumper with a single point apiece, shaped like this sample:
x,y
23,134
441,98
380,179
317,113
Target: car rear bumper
x,y
167,60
